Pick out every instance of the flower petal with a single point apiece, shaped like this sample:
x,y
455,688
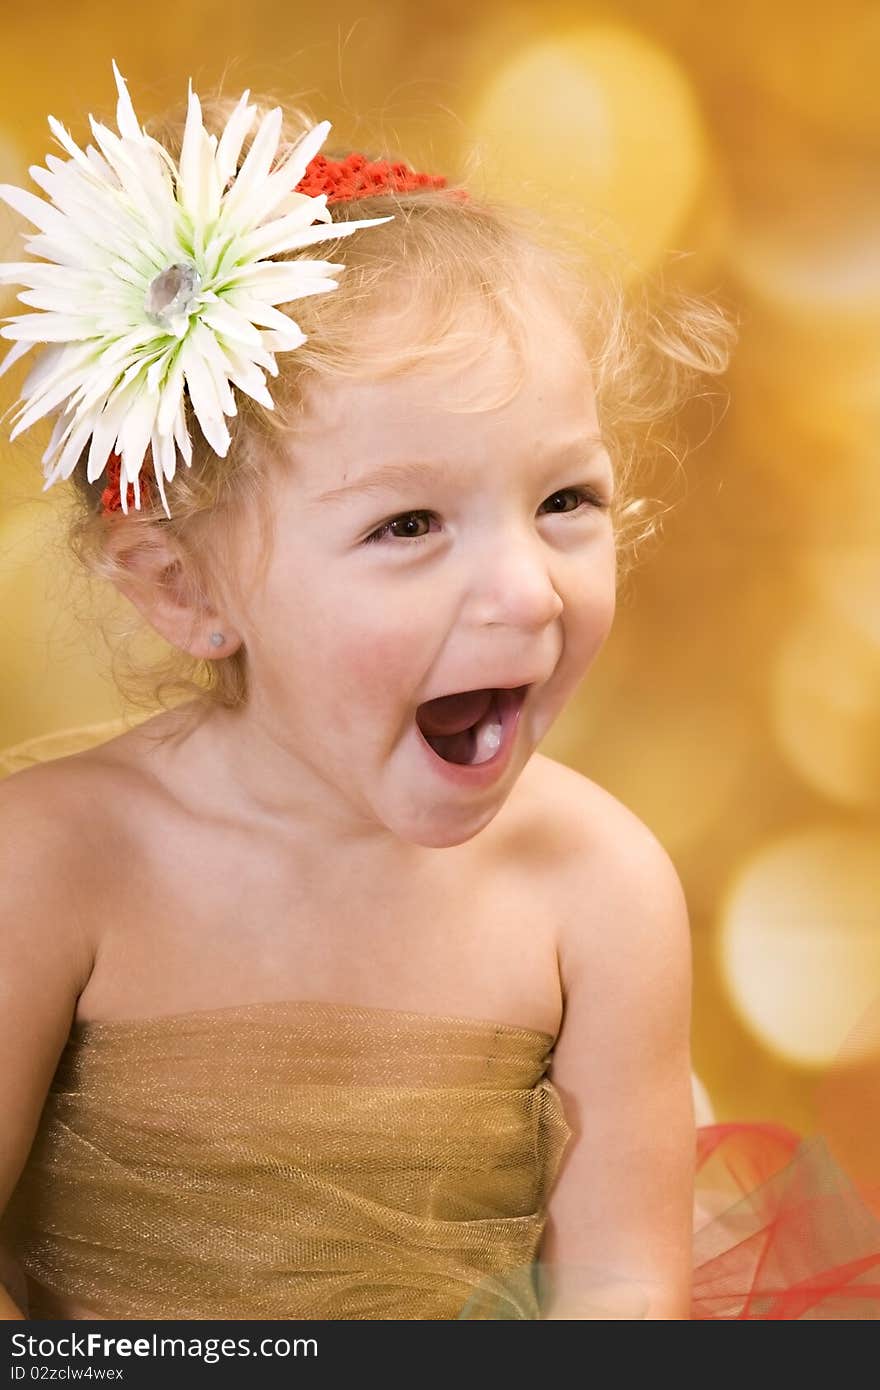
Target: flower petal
x,y
294,240
229,322
277,282
126,120
171,396
238,203
70,453
292,170
92,164
164,456
14,354
236,131
52,394
181,435
244,374
35,209
136,429
205,401
106,430
198,187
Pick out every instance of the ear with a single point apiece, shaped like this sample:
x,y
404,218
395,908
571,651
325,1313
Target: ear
x,y
154,579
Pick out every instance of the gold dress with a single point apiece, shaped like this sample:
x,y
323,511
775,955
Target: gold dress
x,y
291,1160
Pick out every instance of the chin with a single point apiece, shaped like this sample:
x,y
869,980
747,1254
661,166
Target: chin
x,y
452,840
459,827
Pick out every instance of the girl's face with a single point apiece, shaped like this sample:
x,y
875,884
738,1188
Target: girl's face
x,y
488,563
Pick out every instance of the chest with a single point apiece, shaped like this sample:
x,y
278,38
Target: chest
x,y
201,917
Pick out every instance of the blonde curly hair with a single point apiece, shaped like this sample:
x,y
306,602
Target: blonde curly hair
x,y
435,274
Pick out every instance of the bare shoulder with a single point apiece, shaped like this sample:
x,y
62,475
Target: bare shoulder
x,y
615,879
59,832
57,789
584,814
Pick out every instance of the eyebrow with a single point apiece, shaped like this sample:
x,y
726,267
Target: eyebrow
x,y
586,447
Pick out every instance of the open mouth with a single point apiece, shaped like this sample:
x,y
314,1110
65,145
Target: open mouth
x,y
468,727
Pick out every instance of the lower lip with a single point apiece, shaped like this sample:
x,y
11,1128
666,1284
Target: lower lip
x,y
510,703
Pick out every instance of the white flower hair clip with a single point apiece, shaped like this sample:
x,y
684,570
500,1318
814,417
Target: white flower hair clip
x,y
156,278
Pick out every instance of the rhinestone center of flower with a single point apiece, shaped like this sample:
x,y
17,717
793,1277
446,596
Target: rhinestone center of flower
x,y
171,295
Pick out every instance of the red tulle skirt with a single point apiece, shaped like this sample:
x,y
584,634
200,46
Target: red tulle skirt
x,y
788,1226
780,1229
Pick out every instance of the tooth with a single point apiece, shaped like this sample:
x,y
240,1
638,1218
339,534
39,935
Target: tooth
x,y
488,738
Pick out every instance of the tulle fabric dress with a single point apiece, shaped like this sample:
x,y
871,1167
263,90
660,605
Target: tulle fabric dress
x,y
298,1159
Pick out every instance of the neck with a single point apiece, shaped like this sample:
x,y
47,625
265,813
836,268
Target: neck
x,y
238,767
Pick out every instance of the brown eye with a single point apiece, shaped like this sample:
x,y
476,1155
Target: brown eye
x,y
385,530
584,494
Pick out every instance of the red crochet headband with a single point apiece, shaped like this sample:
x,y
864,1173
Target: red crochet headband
x,y
355,176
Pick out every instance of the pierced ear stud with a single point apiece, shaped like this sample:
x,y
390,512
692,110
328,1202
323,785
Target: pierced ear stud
x,y
217,639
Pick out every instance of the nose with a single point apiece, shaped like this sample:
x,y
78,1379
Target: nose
x,y
513,585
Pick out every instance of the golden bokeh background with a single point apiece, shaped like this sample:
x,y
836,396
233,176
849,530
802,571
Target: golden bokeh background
x,y
735,706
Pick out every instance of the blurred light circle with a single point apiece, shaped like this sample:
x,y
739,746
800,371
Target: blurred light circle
x,y
810,264
598,116
799,940
825,705
847,580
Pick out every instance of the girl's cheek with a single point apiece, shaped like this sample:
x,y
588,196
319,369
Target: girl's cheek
x,y
382,664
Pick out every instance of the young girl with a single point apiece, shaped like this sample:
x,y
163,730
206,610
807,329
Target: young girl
x,y
324,994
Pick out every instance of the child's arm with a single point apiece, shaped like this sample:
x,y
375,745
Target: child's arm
x,y
618,1238
44,961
